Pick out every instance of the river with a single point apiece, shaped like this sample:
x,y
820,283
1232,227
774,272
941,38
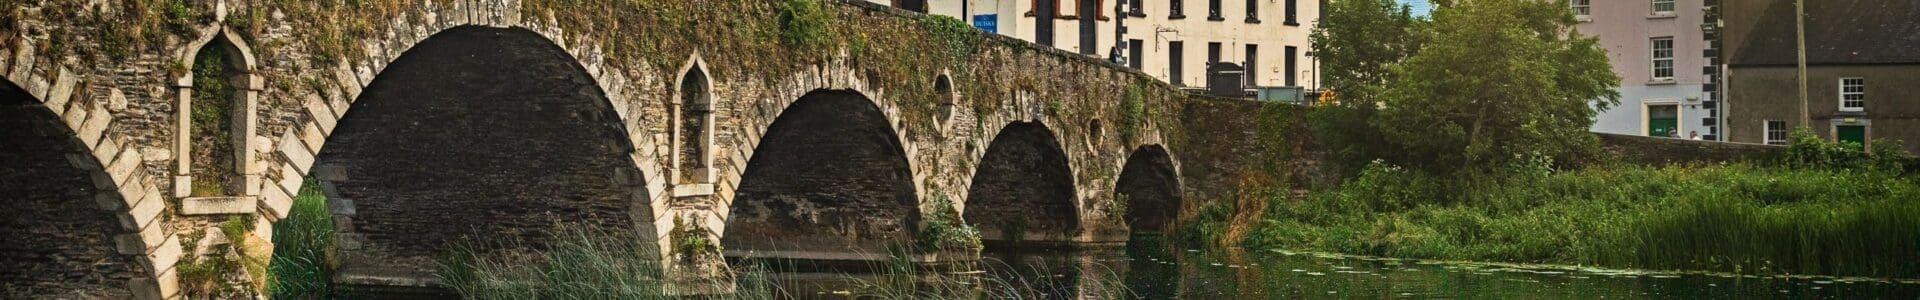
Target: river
x,y
1151,270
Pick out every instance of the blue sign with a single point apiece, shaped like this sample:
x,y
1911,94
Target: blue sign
x,y
987,22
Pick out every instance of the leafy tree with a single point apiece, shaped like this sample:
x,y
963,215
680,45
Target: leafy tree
x,y
1357,41
1497,83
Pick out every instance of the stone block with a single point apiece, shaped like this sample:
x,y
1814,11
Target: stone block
x,y
298,156
108,201
323,115
164,256
330,172
62,91
342,223
82,162
169,282
343,75
152,236
22,61
143,214
95,126
311,135
276,202
129,244
73,117
341,206
218,205
124,165
134,191
104,152
290,181
144,288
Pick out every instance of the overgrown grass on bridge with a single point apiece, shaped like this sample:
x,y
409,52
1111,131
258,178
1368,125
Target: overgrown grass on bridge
x,y
1741,218
300,267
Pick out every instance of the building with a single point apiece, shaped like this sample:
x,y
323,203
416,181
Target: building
x,y
1863,63
1663,57
1174,40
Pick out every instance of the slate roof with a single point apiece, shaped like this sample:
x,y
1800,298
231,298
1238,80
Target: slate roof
x,y
1838,32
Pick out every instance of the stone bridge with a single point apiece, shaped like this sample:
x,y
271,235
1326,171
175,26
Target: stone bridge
x,y
133,130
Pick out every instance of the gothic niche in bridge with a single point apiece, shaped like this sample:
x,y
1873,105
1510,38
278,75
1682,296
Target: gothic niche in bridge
x,y
477,133
828,181
216,99
1023,190
694,138
1150,190
55,242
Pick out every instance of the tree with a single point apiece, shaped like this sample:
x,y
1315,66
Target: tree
x,y
1498,82
1356,40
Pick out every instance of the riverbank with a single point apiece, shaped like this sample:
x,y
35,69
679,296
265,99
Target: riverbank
x,y
1739,218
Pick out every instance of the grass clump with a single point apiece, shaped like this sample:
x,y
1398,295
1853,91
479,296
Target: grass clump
x,y
582,262
1732,218
302,245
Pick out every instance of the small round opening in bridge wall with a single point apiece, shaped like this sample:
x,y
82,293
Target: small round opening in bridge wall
x,y
943,90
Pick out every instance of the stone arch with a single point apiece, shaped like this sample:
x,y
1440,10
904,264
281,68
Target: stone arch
x,y
828,179
1149,186
245,86
692,128
60,172
1022,189
406,175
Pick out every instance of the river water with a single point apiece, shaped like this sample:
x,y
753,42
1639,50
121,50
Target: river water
x,y
1150,270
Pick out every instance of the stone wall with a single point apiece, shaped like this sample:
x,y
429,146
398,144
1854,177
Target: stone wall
x,y
1665,151
119,90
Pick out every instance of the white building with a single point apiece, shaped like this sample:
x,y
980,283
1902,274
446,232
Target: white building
x,y
1170,39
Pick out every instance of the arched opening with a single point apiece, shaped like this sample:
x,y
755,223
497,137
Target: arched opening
x,y
694,138
943,90
477,135
1023,189
58,243
829,180
215,121
1150,190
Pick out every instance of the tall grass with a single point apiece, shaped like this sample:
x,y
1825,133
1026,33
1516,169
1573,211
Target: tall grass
x,y
582,262
300,268
1732,218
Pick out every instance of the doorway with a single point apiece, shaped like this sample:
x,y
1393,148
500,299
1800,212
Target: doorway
x,y
1089,37
1044,12
1663,120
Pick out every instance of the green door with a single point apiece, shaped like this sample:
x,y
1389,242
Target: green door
x,y
1852,133
1663,120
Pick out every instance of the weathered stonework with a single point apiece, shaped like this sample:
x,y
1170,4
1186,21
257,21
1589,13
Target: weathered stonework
x,y
307,80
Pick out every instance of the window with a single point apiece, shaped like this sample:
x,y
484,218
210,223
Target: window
x,y
1853,94
1213,54
1583,7
1135,9
1293,13
1776,132
1663,7
919,6
1176,9
1663,58
1173,62
1253,11
1213,11
1293,66
1253,59
1133,53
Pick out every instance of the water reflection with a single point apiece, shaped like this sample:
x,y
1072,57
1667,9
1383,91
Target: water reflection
x,y
1150,269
